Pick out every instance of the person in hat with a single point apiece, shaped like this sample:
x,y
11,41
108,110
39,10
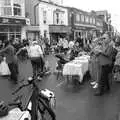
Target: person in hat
x,y
36,55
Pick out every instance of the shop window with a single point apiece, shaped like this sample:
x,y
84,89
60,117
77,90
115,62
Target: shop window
x,y
18,29
3,29
18,36
17,9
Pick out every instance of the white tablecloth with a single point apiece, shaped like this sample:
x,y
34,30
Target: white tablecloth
x,y
16,114
76,67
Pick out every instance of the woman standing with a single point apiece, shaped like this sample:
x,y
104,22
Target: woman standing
x,y
11,59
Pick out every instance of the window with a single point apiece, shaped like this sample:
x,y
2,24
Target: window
x,y
57,18
62,18
93,20
45,33
90,20
7,2
6,8
82,18
87,19
44,17
17,9
6,11
77,17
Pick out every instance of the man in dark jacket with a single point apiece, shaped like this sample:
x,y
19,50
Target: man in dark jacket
x,y
105,58
11,59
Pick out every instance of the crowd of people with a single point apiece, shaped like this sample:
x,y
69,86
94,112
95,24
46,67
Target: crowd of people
x,y
104,55
16,50
104,61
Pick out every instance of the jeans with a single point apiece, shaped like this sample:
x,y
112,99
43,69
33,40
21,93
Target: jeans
x,y
37,64
104,81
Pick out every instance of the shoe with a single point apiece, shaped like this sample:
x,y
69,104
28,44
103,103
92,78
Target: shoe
x,y
95,86
93,83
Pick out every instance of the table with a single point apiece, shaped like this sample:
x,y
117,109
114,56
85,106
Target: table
x,y
76,67
16,114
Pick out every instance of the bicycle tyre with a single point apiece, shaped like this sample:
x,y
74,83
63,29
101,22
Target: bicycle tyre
x,y
46,112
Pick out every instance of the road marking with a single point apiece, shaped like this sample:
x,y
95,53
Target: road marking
x,y
58,85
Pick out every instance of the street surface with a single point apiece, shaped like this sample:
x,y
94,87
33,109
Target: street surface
x,y
73,103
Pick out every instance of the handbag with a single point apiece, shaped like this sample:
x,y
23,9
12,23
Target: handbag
x,y
4,69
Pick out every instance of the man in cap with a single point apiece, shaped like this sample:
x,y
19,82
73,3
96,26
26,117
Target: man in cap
x,y
36,55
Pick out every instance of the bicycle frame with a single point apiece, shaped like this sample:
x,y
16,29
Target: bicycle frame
x,y
35,98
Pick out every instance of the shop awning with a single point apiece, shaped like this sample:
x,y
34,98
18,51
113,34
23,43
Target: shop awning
x,y
33,28
59,29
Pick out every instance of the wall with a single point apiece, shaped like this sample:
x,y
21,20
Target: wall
x,y
50,9
10,7
29,10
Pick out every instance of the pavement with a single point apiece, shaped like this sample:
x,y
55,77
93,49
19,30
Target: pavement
x,y
72,103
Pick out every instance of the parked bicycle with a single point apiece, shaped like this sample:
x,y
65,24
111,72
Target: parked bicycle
x,y
41,103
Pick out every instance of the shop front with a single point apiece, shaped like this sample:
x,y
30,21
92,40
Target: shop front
x,y
58,31
11,28
32,32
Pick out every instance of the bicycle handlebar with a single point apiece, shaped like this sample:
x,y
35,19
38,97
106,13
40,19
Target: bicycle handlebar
x,y
24,85
30,81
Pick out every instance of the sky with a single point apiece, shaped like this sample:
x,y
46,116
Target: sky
x,y
113,7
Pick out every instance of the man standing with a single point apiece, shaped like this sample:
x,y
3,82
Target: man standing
x,y
105,58
36,55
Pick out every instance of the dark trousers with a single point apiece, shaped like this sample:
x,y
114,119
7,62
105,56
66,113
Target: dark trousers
x,y
14,71
38,63
104,81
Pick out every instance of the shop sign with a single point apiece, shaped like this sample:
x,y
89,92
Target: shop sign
x,y
12,21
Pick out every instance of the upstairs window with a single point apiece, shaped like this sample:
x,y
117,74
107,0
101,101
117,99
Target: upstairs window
x,y
6,11
77,18
17,9
87,19
6,8
91,21
44,17
7,2
57,18
82,18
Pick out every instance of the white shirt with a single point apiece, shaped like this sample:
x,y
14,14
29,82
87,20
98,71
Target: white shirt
x,y
71,44
65,44
35,51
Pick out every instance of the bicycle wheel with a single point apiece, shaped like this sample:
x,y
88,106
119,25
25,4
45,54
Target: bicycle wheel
x,y
46,112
